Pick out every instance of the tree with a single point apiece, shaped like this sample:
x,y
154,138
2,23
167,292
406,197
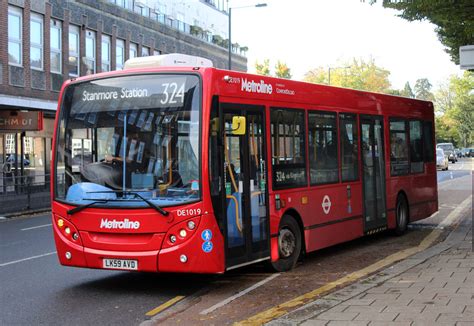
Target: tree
x,y
406,91
423,90
463,106
317,75
455,110
454,20
356,74
282,70
264,68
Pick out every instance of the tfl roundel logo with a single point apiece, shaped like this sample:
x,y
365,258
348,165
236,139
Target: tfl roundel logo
x,y
326,204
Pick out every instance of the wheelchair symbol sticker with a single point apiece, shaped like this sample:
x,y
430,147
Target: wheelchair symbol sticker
x,y
207,246
206,235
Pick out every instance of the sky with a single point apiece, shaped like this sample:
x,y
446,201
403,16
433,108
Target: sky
x,y
307,34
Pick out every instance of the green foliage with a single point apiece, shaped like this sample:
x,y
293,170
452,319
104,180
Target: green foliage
x,y
356,74
455,110
423,90
282,70
453,18
406,91
264,68
317,75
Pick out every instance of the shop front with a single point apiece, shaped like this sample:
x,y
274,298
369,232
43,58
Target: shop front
x,y
25,154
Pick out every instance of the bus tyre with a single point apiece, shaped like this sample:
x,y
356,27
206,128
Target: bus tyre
x,y
289,244
401,215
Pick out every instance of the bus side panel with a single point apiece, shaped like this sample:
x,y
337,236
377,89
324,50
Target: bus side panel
x,y
324,236
424,193
421,192
322,206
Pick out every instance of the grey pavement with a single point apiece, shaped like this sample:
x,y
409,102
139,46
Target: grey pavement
x,y
433,287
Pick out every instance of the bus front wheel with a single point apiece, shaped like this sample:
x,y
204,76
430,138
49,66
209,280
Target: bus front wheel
x,y
289,244
401,212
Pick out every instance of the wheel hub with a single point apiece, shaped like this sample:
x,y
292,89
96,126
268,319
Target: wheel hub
x,y
286,243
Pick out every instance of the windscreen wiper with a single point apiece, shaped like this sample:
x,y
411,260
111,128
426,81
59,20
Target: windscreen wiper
x,y
156,207
123,192
81,207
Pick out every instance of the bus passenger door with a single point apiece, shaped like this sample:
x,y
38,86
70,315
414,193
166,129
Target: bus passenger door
x,y
246,212
373,165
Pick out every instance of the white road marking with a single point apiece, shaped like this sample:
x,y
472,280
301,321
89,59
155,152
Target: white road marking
x,y
238,295
36,227
451,175
29,258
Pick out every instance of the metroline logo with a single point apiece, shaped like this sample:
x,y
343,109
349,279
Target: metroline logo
x,y
255,87
114,224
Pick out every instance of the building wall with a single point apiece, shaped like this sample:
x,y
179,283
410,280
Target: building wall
x,y
25,88
99,16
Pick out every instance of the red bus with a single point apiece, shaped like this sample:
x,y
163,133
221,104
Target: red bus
x,y
189,168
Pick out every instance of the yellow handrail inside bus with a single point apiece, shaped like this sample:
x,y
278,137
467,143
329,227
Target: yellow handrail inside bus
x,y
163,187
226,154
237,219
254,144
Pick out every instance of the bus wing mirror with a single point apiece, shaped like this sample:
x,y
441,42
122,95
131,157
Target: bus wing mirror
x,y
238,125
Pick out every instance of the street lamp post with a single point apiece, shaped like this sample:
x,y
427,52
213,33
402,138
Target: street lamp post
x,y
259,5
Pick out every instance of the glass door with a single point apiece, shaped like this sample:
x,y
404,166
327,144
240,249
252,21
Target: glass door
x,y
373,164
246,218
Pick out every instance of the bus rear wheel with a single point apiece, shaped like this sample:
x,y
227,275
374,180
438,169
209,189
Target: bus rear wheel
x,y
289,244
401,216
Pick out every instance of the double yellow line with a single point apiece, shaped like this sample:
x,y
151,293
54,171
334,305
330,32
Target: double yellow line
x,y
164,306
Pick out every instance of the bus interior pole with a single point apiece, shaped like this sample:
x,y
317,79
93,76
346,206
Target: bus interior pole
x,y
124,152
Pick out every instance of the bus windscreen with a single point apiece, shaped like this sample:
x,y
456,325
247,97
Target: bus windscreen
x,y
126,138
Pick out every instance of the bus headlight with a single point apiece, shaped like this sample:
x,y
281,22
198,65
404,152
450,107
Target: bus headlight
x,y
181,232
191,225
183,258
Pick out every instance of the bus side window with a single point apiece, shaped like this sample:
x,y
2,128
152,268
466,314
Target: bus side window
x,y
349,147
399,148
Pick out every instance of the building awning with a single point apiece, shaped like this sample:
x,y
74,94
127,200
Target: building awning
x,y
8,101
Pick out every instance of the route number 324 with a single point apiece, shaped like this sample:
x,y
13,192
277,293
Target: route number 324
x,y
172,93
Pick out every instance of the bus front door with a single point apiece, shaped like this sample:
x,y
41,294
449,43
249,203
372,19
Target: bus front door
x,y
373,165
245,176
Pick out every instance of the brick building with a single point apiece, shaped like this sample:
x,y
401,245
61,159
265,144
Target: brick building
x,y
43,43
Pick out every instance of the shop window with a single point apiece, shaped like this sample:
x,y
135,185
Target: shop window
x,y
36,41
349,147
15,36
105,51
288,148
74,37
56,46
398,148
416,147
322,136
